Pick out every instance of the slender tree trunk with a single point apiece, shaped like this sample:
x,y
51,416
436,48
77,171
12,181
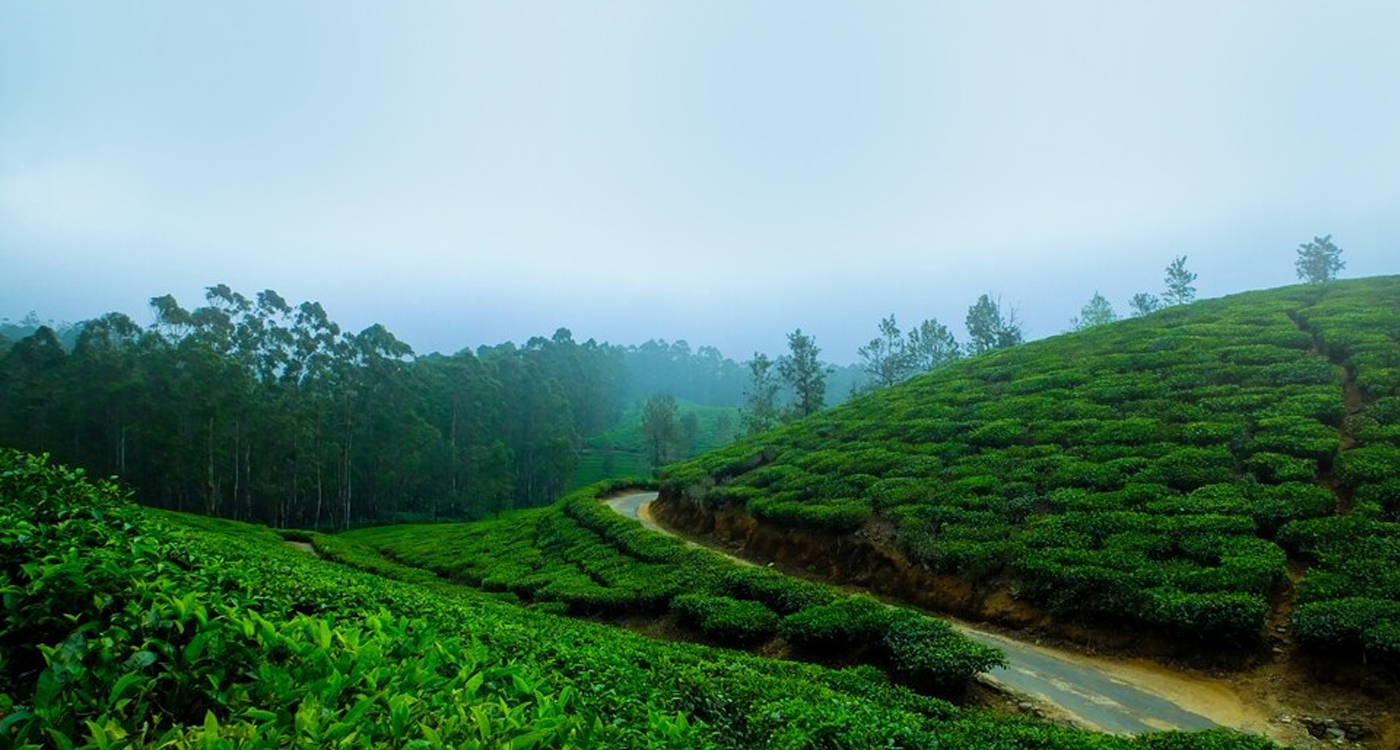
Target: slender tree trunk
x,y
451,464
237,462
212,493
248,478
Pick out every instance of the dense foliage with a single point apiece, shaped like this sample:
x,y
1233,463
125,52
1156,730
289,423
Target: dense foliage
x,y
584,557
262,410
128,628
258,409
1137,472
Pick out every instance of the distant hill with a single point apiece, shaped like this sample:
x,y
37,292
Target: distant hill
x,y
1157,475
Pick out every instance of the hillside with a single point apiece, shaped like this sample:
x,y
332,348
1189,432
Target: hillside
x,y
128,627
1214,478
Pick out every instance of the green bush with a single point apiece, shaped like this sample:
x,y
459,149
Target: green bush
x,y
727,620
851,622
1221,617
1296,436
1369,464
1353,624
836,517
780,593
1188,468
931,650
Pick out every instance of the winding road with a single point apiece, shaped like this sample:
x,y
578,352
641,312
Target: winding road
x,y
1113,696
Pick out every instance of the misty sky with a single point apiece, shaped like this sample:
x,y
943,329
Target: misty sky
x,y
719,172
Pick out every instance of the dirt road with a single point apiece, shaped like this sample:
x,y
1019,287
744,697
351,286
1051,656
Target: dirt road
x,y
1110,695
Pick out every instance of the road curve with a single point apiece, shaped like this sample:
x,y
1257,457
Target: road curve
x,y
1096,693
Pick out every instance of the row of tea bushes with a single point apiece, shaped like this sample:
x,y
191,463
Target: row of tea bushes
x,y
592,561
1231,408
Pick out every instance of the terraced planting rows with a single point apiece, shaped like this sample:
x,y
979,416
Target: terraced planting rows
x,y
127,628
1142,472
582,558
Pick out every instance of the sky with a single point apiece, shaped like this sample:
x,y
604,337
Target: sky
x,y
468,173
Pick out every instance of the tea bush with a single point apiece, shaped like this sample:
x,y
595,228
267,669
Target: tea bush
x,y
740,622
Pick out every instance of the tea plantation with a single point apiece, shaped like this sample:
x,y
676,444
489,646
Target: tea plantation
x,y
130,628
1153,472
587,560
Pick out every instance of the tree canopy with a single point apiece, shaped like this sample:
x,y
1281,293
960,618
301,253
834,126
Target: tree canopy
x,y
1319,260
1179,283
988,328
258,409
1097,311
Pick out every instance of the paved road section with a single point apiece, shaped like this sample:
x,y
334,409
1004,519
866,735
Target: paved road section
x,y
1086,694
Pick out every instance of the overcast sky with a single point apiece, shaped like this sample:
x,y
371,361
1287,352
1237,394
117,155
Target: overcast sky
x,y
719,172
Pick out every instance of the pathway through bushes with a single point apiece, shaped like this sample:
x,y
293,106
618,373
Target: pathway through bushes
x,y
1112,695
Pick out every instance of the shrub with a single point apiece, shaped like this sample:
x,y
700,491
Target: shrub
x,y
1369,464
1214,433
1296,436
1305,371
1383,498
1272,507
780,593
727,620
1223,617
837,517
930,649
843,624
1353,624
1310,536
1188,468
1277,467
1323,405
1000,433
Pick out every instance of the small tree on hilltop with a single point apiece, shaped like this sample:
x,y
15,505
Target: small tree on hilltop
x,y
761,397
1144,303
1097,311
1319,260
1179,280
931,345
886,358
988,329
804,374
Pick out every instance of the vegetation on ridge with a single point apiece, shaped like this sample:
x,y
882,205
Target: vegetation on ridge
x,y
1142,472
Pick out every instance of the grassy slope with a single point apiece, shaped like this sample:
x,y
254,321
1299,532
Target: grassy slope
x,y
127,628
1146,471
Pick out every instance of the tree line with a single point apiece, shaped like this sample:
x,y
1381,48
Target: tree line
x,y
892,357
260,410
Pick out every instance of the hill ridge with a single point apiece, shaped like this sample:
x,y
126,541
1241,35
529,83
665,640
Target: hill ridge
x,y
1159,471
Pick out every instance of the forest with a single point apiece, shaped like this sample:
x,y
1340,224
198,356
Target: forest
x,y
264,410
